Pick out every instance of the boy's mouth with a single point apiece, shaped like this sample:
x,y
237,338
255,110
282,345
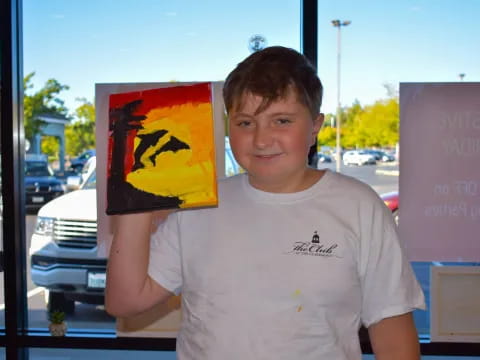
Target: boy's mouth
x,y
267,156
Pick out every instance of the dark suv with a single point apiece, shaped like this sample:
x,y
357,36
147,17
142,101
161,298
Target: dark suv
x,y
77,163
40,184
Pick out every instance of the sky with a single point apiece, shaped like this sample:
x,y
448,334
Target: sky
x,y
83,42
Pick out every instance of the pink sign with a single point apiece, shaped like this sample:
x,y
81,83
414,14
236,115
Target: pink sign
x,y
439,183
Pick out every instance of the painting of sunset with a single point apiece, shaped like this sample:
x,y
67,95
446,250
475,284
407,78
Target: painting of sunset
x,y
161,152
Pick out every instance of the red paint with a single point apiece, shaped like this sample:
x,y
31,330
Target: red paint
x,y
164,97
154,99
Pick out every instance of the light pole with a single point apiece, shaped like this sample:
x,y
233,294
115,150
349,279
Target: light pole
x,y
338,24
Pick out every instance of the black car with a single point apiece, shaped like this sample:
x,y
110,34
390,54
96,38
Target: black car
x,y
40,184
77,163
324,158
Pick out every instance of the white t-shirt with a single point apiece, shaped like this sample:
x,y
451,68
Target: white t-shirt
x,y
283,276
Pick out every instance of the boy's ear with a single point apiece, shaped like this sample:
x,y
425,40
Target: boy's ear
x,y
317,125
320,119
318,122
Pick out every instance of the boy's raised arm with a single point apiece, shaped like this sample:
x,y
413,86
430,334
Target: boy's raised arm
x,y
130,290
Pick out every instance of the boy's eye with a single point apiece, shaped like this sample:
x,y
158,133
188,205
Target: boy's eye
x,y
283,121
244,123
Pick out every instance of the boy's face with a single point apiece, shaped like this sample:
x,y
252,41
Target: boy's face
x,y
273,145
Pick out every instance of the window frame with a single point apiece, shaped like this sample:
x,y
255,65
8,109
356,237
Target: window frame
x,y
16,337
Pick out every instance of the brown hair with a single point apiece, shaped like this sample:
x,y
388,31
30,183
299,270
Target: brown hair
x,y
270,73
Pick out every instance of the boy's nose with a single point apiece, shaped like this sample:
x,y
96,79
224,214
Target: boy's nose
x,y
263,137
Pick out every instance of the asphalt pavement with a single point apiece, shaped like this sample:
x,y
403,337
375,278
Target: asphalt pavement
x,y
382,177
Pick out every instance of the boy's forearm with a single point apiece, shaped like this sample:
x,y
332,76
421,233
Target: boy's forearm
x,y
128,263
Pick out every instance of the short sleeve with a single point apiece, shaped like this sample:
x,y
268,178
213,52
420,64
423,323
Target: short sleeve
x,y
165,259
389,286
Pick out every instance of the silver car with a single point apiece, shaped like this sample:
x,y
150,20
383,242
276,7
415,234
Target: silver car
x,y
358,157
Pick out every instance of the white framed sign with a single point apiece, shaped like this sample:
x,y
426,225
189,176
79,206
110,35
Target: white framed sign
x,y
455,304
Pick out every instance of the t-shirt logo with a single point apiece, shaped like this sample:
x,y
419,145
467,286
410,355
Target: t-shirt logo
x,y
314,247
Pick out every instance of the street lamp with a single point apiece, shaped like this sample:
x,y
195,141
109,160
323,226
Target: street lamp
x,y
338,24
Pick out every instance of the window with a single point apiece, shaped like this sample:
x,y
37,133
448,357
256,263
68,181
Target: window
x,y
78,44
158,41
373,47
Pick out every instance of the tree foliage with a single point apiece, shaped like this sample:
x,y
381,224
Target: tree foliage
x,y
45,101
327,135
80,134
374,125
50,146
377,125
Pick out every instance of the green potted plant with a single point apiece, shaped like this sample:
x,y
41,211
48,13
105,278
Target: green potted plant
x,y
57,326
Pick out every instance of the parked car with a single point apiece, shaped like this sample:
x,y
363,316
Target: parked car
x,y
41,186
358,157
63,250
381,155
391,200
324,158
78,162
75,181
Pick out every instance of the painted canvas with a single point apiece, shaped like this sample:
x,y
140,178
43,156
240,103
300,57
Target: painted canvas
x,y
161,150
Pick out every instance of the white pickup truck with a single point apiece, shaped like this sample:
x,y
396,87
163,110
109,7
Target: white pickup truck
x,y
63,250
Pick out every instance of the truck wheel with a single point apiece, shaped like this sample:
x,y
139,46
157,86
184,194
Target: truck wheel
x,y
58,301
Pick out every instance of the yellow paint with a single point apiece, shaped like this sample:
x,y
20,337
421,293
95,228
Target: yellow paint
x,y
188,174
297,293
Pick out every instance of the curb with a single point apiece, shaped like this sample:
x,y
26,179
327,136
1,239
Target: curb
x,y
387,172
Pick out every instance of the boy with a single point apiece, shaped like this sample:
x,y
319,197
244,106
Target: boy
x,y
292,261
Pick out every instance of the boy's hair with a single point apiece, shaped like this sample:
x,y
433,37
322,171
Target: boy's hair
x,y
270,73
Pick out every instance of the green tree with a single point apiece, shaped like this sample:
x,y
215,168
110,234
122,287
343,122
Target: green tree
x,y
327,135
50,146
42,102
377,125
347,118
80,134
348,114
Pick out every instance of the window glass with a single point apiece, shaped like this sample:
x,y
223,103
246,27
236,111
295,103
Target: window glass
x,y
370,47
71,45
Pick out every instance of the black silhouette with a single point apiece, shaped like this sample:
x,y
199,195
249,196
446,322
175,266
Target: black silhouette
x,y
146,141
122,121
173,145
122,197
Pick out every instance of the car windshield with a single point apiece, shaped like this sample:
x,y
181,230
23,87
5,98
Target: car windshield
x,y
37,168
91,182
